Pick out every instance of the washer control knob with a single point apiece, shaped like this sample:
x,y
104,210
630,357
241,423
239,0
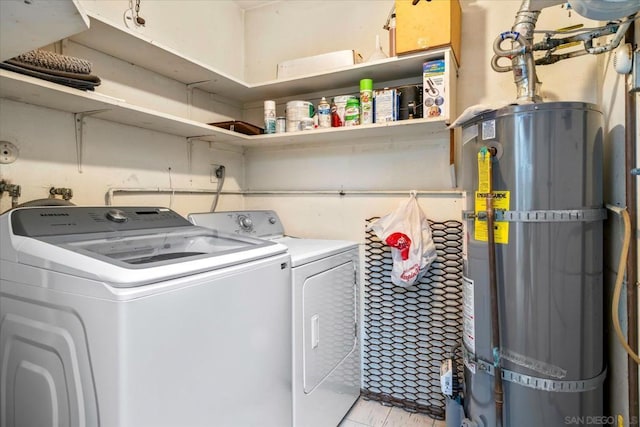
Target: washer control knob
x,y
272,220
116,215
245,222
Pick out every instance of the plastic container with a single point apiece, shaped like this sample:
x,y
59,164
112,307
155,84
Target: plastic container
x,y
306,124
297,111
324,113
281,124
269,116
352,112
366,101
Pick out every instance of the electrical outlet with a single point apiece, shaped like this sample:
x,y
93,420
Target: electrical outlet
x,y
216,172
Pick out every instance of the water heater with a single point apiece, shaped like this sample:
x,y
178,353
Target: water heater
x,y
545,166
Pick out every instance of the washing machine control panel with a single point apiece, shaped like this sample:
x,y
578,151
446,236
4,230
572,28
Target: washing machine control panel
x,y
245,222
65,220
262,224
116,215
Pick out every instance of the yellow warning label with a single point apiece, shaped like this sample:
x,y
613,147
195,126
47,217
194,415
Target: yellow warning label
x,y
501,228
484,171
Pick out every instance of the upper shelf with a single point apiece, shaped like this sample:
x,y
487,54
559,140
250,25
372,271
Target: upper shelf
x,y
28,25
35,91
30,90
127,45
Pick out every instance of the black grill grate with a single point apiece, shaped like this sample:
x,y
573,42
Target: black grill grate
x,y
410,331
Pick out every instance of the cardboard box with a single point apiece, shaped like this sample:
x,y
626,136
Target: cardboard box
x,y
428,25
318,63
433,84
385,105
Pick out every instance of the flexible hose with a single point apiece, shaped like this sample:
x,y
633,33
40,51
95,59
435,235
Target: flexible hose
x,y
618,285
220,175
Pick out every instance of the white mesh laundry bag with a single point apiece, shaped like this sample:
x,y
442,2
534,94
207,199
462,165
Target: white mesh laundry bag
x,y
407,231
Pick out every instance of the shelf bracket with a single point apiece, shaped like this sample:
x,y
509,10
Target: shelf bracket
x,y
79,122
190,87
189,154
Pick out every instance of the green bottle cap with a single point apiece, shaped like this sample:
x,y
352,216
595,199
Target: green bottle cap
x,y
366,84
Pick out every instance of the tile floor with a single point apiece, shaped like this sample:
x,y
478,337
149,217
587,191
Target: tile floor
x,y
366,413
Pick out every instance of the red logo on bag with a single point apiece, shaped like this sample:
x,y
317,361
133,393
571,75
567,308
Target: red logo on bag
x,y
400,241
410,273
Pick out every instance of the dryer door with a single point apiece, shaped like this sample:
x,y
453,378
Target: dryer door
x,y
326,316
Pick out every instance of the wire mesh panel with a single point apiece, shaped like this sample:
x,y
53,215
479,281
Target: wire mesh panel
x,y
410,331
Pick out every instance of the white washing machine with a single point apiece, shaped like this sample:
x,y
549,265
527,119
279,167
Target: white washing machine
x,y
134,317
326,348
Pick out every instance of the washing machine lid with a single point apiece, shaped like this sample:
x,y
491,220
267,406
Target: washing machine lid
x,y
304,251
266,224
124,247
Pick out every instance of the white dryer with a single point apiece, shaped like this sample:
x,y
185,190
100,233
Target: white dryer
x,y
326,348
134,317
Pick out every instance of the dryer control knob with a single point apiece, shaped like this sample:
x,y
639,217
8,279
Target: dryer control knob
x,y
272,220
116,215
245,222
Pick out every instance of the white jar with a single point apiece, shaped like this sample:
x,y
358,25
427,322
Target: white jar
x,y
296,111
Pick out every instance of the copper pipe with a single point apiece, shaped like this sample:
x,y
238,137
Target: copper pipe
x,y
495,317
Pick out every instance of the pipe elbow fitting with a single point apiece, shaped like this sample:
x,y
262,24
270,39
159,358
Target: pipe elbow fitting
x,y
512,35
499,68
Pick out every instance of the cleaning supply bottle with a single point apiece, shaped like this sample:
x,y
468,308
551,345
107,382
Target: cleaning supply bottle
x,y
324,113
336,122
269,116
366,101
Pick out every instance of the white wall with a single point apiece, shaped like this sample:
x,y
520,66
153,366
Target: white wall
x,y
124,156
210,31
114,156
293,29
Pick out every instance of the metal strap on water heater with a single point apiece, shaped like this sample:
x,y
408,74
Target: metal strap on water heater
x,y
567,215
571,215
537,383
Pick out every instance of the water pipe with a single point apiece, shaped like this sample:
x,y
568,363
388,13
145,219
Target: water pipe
x,y
13,190
498,393
522,62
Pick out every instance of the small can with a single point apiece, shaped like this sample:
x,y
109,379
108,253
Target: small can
x,y
281,124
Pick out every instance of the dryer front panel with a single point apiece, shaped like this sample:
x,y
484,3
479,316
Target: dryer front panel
x,y
328,319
